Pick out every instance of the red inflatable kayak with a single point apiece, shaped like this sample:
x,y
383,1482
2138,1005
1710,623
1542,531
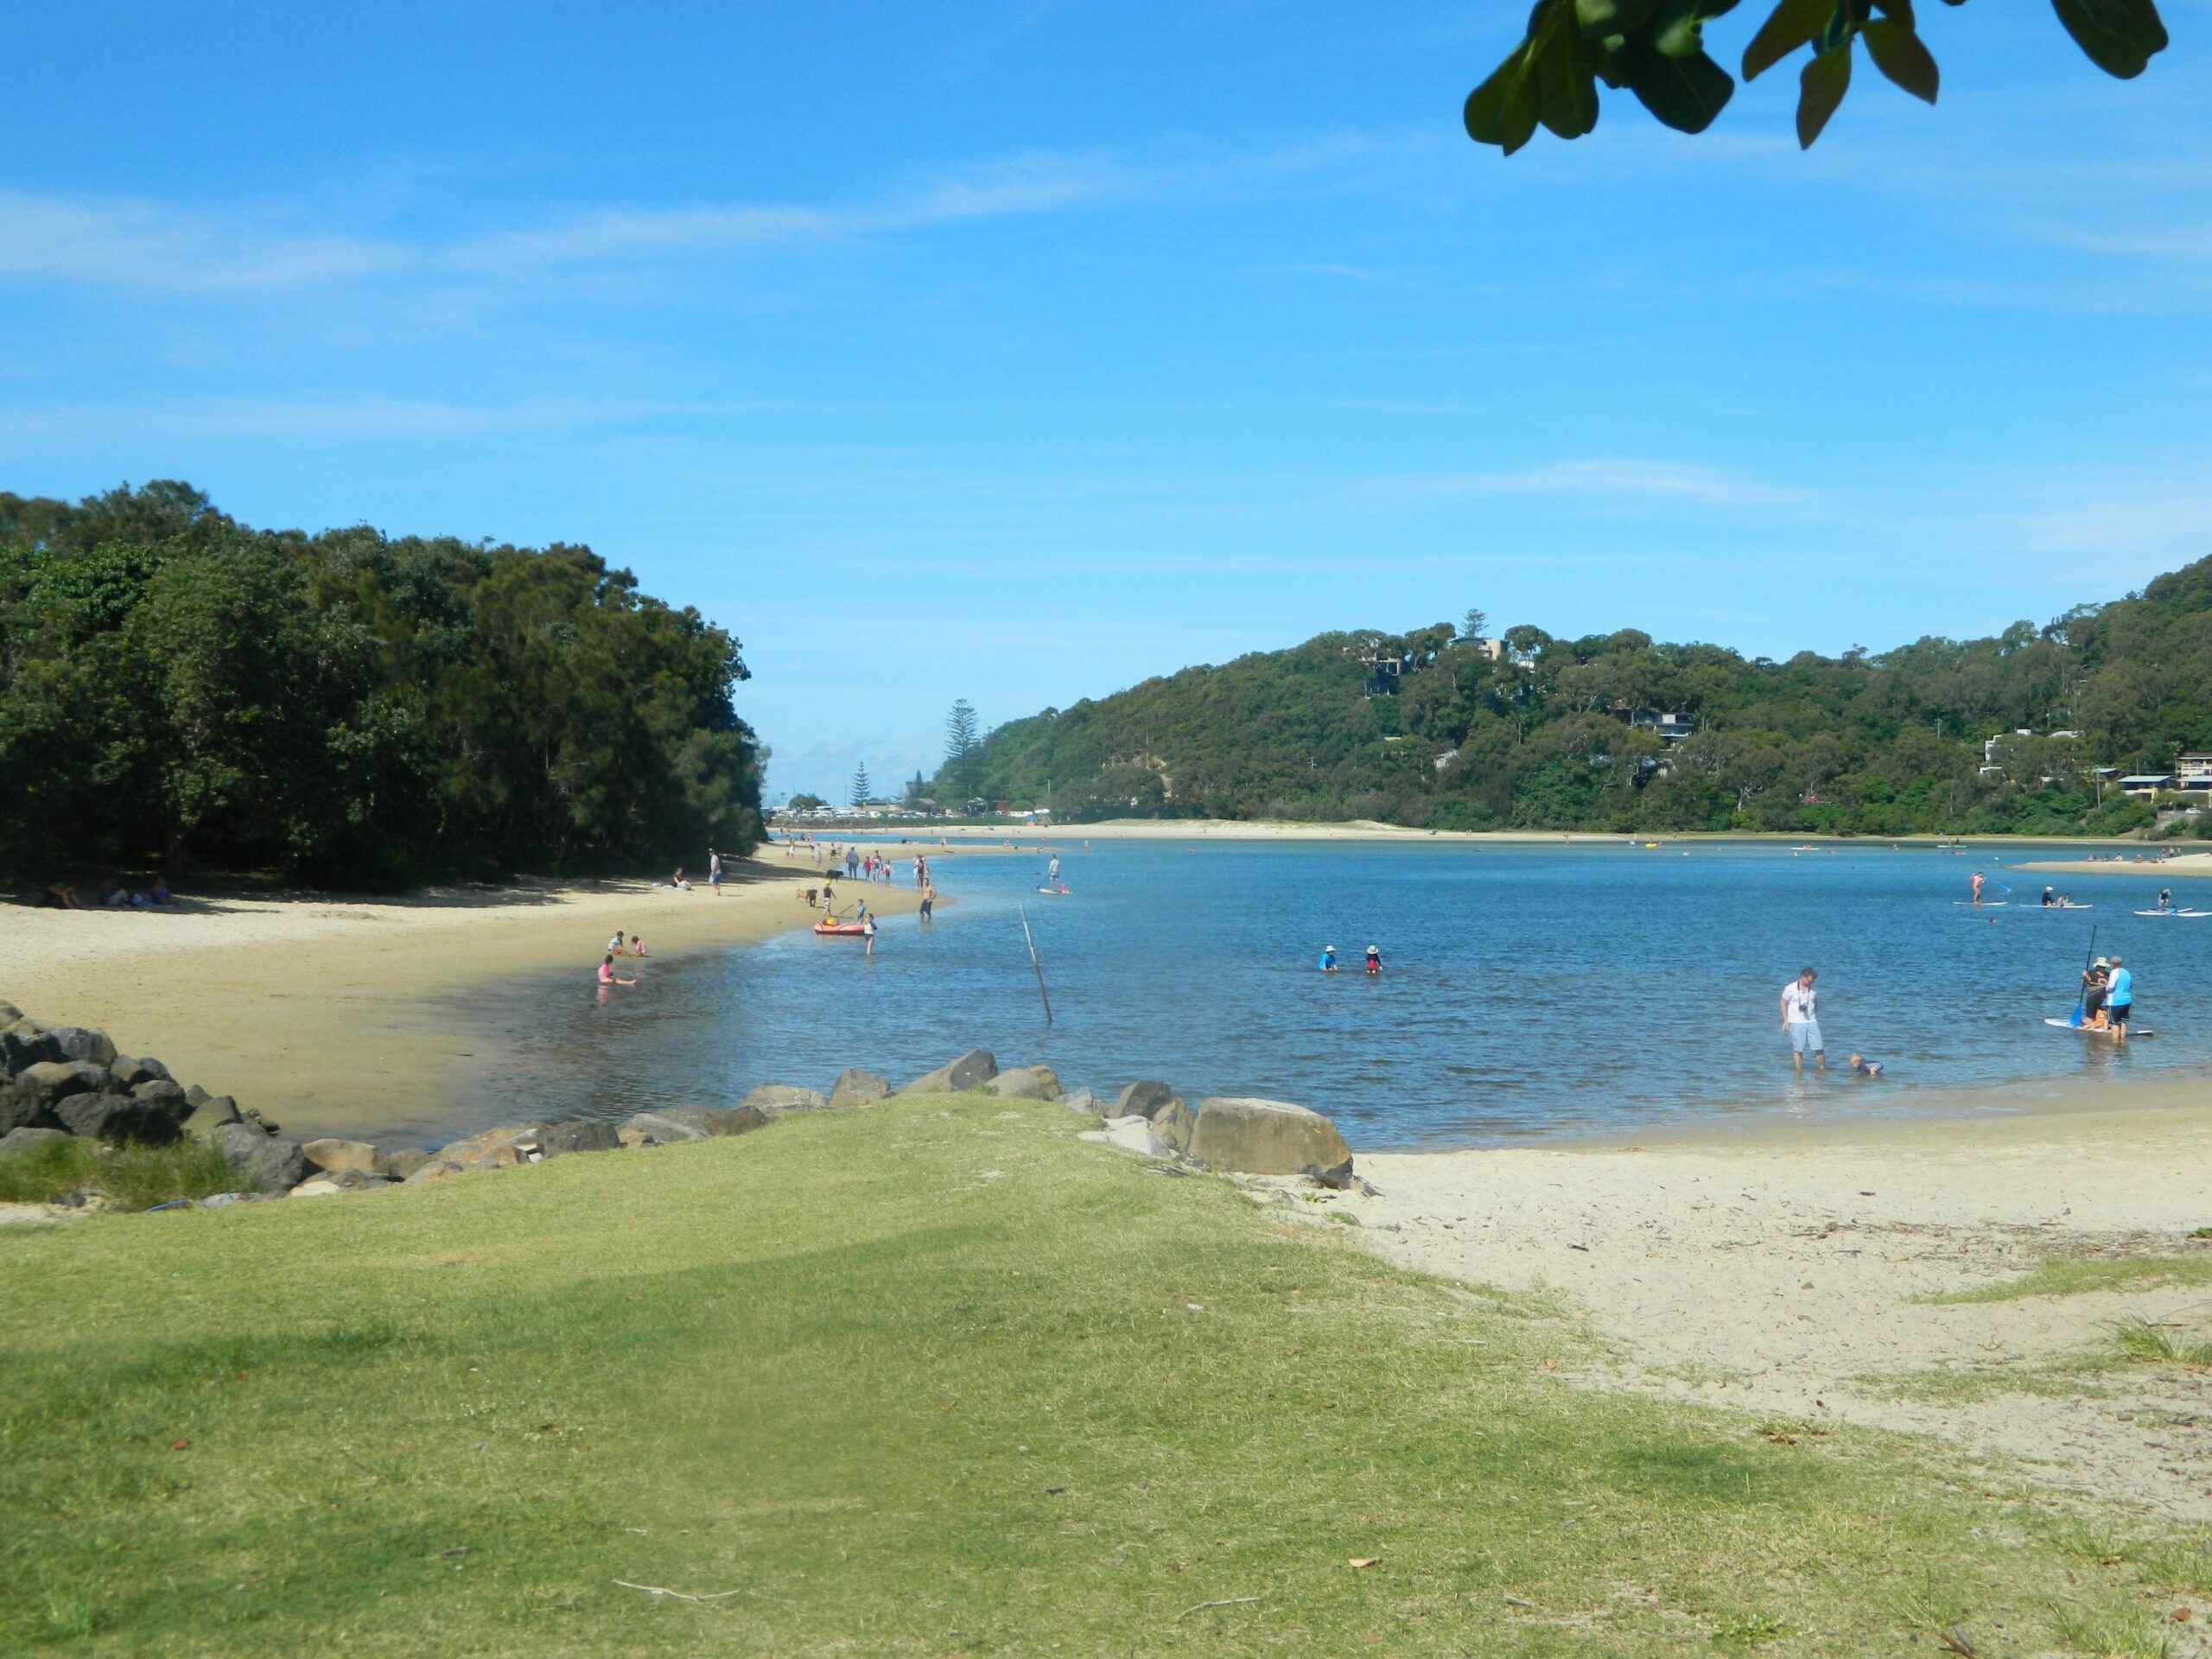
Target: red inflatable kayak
x,y
852,929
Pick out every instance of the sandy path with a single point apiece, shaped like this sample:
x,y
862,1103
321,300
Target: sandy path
x,y
1772,1274
329,1015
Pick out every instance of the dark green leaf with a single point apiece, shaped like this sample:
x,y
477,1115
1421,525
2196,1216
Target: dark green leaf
x,y
1684,93
1502,110
1567,83
1899,54
1793,23
2120,37
1820,89
1600,18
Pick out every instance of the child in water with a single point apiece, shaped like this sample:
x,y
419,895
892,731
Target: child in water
x,y
1863,1067
1374,960
1328,958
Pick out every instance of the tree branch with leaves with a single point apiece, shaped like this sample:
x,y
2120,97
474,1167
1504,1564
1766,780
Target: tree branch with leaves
x,y
1656,49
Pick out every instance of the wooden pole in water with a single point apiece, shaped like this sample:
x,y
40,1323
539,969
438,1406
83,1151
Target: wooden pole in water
x,y
1023,910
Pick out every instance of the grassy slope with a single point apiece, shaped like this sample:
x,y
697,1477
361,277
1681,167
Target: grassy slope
x,y
921,1380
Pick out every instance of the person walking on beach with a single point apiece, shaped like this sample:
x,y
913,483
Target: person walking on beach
x,y
852,865
1801,1022
2120,1000
715,871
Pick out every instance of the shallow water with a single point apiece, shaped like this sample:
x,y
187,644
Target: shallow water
x,y
1527,990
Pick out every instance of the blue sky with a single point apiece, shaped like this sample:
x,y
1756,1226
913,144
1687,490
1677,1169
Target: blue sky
x,y
1022,350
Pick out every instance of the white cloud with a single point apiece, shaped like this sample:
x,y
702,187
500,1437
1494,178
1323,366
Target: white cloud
x,y
139,244
1615,476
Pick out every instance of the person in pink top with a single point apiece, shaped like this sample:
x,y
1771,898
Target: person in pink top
x,y
608,977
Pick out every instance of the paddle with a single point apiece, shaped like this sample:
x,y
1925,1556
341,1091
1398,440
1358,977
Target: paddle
x,y
2082,1002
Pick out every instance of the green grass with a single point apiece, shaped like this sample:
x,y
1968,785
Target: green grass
x,y
2078,1276
2154,1344
928,1379
134,1178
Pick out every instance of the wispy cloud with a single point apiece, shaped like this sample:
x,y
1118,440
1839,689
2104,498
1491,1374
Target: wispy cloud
x,y
1619,477
136,243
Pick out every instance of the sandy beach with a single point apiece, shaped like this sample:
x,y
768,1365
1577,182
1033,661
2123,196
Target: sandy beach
x,y
332,1015
1776,1271
2185,864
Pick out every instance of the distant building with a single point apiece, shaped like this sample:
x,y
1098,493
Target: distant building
x,y
2146,783
2193,772
1671,727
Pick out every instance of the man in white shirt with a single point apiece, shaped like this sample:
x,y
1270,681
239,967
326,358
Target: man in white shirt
x,y
1801,1022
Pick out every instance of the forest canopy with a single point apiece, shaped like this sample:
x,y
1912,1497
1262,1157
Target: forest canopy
x,y
1527,731
181,691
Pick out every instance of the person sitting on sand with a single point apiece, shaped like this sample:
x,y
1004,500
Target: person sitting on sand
x,y
160,894
614,944
112,892
677,880
1863,1067
608,977
637,946
60,895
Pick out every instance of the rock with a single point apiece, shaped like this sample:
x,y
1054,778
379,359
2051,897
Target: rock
x,y
116,1118
854,1087
25,1043
1172,1122
271,1165
225,1200
652,1129
1131,1134
163,1096
1336,1178
56,1080
578,1134
715,1121
196,1095
1080,1100
781,1100
10,1014
209,1114
25,1139
971,1070
435,1169
481,1151
82,1042
23,1107
335,1157
258,1122
132,1072
1264,1137
1025,1082
399,1166
1142,1099
320,1187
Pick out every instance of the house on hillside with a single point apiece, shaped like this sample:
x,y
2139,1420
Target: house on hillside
x,y
1670,727
2193,772
2146,783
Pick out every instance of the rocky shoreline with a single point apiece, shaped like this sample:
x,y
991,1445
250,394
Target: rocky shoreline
x,y
61,1082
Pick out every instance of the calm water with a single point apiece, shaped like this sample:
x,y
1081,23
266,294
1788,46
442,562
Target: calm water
x,y
1529,990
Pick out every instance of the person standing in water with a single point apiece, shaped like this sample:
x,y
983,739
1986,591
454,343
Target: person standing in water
x,y
2120,1000
869,933
1800,1021
1328,958
1374,960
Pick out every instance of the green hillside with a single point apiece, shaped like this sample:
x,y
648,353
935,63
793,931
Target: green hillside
x,y
179,690
1559,733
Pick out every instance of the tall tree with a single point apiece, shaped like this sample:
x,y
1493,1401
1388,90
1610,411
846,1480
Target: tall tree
x,y
1476,625
1656,49
861,790
961,737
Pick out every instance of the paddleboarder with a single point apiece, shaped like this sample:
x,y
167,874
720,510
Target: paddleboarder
x,y
1976,884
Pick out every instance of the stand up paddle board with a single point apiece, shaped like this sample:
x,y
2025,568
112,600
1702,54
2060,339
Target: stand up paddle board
x,y
2179,915
1987,904
2098,1031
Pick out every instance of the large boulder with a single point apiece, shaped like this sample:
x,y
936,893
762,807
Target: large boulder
x,y
1264,1137
1026,1082
335,1157
483,1151
971,1070
1132,1133
1080,1100
432,1169
163,1096
716,1121
25,1042
1172,1123
131,1071
82,1042
209,1114
22,1106
1142,1099
263,1161
854,1087
54,1080
27,1139
578,1134
652,1129
781,1100
116,1118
